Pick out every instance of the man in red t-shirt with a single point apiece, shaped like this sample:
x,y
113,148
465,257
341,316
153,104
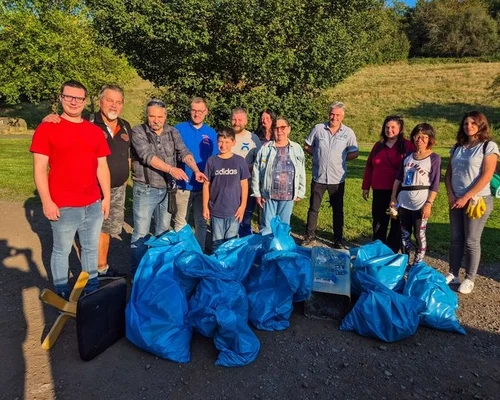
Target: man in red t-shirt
x,y
73,181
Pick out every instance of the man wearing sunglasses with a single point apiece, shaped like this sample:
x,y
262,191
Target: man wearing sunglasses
x,y
156,147
201,141
75,192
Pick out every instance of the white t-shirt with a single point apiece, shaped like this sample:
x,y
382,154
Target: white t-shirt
x,y
247,145
467,167
418,177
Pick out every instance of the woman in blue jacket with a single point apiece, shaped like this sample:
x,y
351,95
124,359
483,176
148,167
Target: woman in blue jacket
x,y
279,176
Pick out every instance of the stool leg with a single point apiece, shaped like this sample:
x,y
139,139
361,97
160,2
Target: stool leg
x,y
54,332
80,284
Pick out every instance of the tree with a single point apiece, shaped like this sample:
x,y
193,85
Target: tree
x,y
254,53
43,44
450,28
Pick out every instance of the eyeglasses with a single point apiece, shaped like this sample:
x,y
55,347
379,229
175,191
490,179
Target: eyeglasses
x,y
156,103
280,128
198,112
423,138
68,99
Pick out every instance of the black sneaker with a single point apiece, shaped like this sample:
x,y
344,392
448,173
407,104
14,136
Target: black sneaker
x,y
110,274
340,245
308,239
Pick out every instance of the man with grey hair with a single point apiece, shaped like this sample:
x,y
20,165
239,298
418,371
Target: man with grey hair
x,y
331,144
117,133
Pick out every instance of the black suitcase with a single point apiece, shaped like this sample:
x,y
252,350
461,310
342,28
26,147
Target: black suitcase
x,y
100,319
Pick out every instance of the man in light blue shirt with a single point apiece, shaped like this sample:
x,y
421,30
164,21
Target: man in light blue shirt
x,y
201,141
331,144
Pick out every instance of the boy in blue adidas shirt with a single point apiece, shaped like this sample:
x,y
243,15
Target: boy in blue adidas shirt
x,y
226,192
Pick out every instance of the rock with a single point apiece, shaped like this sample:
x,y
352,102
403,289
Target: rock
x,y
388,373
148,366
382,347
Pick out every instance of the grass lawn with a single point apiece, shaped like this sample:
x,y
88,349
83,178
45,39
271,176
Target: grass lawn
x,y
16,183
439,94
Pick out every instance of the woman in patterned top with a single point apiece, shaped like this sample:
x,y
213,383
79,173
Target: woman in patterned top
x,y
279,176
417,183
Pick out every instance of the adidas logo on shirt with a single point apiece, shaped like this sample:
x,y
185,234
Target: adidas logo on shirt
x,y
226,171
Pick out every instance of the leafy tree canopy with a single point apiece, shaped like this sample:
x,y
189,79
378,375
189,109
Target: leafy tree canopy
x,y
451,28
44,43
255,53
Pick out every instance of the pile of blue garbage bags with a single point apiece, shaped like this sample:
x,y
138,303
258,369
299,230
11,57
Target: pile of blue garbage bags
x,y
255,280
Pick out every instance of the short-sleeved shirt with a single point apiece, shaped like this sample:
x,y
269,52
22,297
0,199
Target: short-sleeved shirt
x,y
225,176
283,173
119,144
467,167
202,143
247,145
417,178
73,150
330,152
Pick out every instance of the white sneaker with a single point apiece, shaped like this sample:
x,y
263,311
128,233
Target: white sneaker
x,y
452,279
466,287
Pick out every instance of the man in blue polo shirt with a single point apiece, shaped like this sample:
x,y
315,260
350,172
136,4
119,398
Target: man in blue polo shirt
x,y
331,144
201,141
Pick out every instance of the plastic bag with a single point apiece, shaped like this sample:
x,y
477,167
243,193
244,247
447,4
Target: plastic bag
x,y
380,262
382,313
219,306
281,236
283,277
156,314
441,302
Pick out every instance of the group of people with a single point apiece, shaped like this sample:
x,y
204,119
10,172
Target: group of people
x,y
404,177
81,170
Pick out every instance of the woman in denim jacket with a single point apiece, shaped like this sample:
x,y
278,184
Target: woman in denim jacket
x,y
279,176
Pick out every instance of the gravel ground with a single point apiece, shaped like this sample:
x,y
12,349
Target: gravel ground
x,y
310,360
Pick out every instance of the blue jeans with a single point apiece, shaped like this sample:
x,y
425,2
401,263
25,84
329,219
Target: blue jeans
x,y
282,208
87,221
223,229
147,202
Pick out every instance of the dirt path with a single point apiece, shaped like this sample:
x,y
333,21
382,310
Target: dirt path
x,y
310,360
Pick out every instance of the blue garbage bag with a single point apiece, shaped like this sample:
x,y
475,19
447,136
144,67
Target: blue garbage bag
x,y
382,313
441,302
380,262
219,306
283,277
187,241
370,250
281,239
156,314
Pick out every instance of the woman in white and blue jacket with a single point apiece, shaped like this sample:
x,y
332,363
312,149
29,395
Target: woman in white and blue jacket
x,y
279,176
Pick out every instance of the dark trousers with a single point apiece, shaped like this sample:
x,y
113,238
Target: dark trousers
x,y
336,195
381,221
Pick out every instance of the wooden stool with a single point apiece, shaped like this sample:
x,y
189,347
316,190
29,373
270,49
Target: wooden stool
x,y
67,308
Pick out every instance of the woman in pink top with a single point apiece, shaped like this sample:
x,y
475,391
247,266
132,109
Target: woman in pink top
x,y
380,173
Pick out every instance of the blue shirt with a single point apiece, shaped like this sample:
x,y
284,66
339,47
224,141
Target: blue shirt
x,y
202,143
225,176
330,152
